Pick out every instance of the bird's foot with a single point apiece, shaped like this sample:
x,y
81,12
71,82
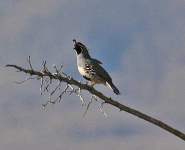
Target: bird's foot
x,y
90,85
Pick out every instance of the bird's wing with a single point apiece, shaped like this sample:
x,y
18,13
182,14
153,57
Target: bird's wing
x,y
97,61
100,73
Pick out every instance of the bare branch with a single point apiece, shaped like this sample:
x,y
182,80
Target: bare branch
x,y
70,81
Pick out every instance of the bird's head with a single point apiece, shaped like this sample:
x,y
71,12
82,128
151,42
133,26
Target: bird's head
x,y
80,48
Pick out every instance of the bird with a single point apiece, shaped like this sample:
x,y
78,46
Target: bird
x,y
91,68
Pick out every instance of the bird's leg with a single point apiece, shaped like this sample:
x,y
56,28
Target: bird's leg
x,y
90,84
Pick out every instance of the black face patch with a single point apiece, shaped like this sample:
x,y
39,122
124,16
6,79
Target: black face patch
x,y
78,49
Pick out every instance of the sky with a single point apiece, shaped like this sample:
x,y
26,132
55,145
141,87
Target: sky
x,y
142,46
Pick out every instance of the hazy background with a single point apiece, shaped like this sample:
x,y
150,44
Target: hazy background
x,y
141,44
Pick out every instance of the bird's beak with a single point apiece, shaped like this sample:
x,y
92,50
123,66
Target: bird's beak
x,y
75,47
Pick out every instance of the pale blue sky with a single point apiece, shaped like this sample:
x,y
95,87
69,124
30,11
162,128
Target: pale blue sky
x,y
141,44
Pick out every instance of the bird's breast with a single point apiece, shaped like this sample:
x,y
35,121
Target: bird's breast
x,y
81,71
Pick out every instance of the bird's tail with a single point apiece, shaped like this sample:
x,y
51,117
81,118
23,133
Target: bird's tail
x,y
113,87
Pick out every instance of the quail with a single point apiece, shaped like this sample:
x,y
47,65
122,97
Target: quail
x,y
91,69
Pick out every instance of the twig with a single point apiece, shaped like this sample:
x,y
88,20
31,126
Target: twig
x,y
72,90
29,77
101,109
29,61
80,96
41,85
45,104
91,100
60,96
48,84
94,97
87,108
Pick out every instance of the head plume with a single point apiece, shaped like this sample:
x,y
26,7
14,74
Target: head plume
x,y
74,41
